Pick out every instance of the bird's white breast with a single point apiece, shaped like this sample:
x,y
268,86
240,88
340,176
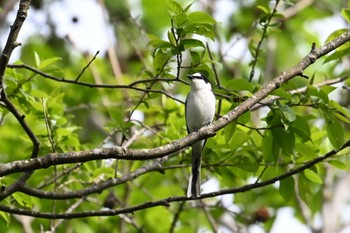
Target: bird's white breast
x,y
200,108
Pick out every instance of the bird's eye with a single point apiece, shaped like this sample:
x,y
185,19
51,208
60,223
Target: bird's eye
x,y
75,19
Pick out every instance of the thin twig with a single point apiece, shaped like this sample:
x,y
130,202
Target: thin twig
x,y
262,173
218,83
209,216
48,126
176,216
87,66
179,55
69,210
53,148
65,172
257,50
107,86
300,91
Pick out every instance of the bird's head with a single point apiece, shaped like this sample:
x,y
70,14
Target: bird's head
x,y
199,81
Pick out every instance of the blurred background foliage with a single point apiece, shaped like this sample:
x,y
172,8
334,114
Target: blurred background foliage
x,y
158,43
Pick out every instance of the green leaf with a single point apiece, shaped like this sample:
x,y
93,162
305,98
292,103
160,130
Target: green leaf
x,y
199,17
39,94
37,105
205,70
206,30
55,104
335,34
6,217
312,91
156,42
306,151
36,59
108,172
180,20
161,57
301,128
47,62
23,199
304,189
345,12
335,132
270,149
174,7
192,43
287,112
264,9
246,163
338,54
286,188
229,131
338,164
118,116
341,117
323,95
238,139
239,85
171,38
341,113
66,131
312,176
70,141
327,89
283,139
244,118
252,47
188,6
196,57
281,92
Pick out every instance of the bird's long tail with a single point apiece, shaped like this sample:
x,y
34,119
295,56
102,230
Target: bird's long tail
x,y
194,184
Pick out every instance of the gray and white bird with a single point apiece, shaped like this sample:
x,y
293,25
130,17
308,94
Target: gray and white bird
x,y
200,111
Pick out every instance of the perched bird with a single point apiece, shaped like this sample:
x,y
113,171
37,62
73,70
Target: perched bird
x,y
200,111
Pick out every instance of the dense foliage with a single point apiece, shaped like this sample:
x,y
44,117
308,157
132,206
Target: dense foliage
x,y
290,149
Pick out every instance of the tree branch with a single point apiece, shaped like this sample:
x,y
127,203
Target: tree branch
x,y
95,188
257,50
11,42
76,81
166,202
300,90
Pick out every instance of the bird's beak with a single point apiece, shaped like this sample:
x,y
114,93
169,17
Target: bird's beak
x,y
190,76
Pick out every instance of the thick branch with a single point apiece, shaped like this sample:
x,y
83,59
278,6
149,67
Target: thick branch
x,y
95,154
12,43
166,202
96,188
